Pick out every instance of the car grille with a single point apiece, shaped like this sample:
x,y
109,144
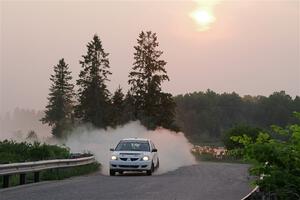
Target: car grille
x,y
131,154
129,166
132,159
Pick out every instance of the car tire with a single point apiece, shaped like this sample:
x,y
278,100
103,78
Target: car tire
x,y
112,172
157,165
149,172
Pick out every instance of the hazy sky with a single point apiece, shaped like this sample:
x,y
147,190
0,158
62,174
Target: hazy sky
x,y
252,47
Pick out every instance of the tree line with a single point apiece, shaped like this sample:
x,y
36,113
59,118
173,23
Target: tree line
x,y
94,104
202,116
207,116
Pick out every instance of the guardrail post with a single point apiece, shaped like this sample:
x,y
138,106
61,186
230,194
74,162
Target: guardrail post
x,y
22,179
5,181
7,170
36,177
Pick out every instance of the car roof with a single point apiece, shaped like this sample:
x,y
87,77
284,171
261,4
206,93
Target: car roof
x,y
135,139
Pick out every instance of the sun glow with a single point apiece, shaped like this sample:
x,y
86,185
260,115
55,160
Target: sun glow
x,y
203,18
203,14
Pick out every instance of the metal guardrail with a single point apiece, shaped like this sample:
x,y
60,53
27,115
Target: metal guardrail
x,y
248,196
254,191
17,168
22,168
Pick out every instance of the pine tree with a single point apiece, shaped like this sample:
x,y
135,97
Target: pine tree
x,y
93,96
129,111
166,116
118,107
148,73
59,111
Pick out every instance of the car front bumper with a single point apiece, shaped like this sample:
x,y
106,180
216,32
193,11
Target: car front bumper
x,y
119,165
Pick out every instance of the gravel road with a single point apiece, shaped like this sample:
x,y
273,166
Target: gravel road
x,y
206,180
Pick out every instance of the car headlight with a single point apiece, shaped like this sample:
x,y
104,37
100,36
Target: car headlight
x,y
114,157
145,158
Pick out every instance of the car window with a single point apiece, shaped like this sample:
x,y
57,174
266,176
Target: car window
x,y
133,146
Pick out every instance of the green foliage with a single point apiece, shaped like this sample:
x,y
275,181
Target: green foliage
x,y
250,132
11,152
13,180
93,96
276,159
59,111
151,106
243,140
205,116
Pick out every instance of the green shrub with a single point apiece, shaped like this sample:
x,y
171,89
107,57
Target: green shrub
x,y
11,152
239,130
277,160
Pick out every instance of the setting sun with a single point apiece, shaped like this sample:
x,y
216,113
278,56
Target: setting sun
x,y
203,18
149,99
203,14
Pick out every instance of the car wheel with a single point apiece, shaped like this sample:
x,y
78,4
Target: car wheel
x,y
149,172
112,172
157,165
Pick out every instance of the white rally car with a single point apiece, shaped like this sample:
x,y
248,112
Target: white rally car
x,y
134,154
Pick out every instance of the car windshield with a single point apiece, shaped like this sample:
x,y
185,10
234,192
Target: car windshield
x,y
133,146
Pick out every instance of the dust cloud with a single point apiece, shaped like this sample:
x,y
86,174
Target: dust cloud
x,y
173,148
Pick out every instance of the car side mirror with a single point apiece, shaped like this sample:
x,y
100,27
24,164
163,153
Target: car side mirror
x,y
111,149
154,150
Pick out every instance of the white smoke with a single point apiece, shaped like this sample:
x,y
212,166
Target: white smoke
x,y
20,136
173,148
11,136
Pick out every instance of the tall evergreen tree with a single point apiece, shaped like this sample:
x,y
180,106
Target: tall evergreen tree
x,y
93,96
129,114
59,111
148,73
118,107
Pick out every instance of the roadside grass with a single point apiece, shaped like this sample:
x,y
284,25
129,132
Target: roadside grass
x,y
207,157
210,143
229,157
54,174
